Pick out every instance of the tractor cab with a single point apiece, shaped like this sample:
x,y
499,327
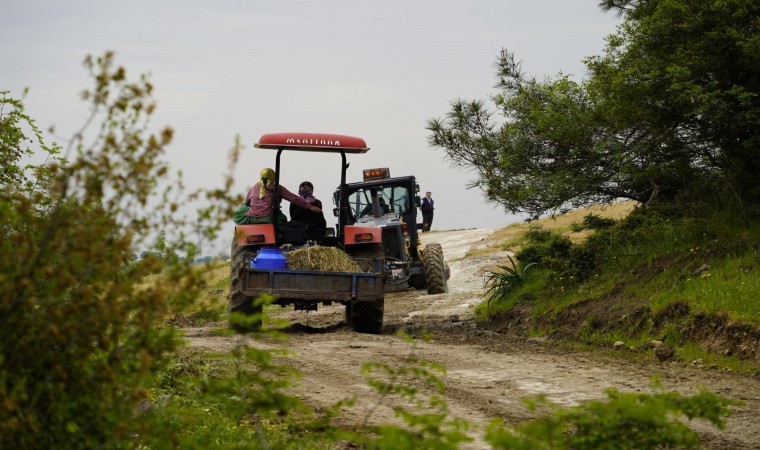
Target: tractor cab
x,y
391,203
380,195
381,200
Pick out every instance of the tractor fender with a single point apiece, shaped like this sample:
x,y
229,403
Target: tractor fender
x,y
353,234
255,234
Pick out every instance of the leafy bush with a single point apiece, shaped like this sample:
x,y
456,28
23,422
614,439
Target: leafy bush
x,y
546,248
626,420
555,252
592,222
419,390
501,283
79,326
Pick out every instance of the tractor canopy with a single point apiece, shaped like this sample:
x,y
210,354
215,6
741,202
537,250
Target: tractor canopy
x,y
313,142
316,143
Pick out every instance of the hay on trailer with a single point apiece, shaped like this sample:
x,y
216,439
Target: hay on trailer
x,y
324,259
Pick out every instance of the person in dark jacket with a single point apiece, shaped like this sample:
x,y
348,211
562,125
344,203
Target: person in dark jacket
x,y
299,214
427,208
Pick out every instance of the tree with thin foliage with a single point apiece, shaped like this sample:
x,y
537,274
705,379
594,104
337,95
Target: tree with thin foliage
x,y
80,330
669,112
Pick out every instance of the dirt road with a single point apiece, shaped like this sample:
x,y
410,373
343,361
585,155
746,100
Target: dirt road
x,y
487,374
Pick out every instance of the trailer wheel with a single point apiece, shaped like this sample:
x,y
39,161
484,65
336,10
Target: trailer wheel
x,y
365,317
348,314
240,303
435,269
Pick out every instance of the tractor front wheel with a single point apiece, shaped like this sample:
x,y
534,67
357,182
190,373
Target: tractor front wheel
x,y
435,269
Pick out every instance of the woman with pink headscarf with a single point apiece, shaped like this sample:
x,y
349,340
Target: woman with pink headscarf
x,y
260,199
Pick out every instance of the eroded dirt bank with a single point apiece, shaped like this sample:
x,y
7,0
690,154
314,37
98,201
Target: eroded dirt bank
x,y
487,373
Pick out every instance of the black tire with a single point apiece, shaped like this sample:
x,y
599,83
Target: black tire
x,y
348,313
239,303
417,282
435,269
366,317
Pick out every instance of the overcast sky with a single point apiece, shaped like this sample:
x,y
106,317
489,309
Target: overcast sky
x,y
378,70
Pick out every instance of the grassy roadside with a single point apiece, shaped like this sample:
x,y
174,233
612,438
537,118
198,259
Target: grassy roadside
x,y
635,278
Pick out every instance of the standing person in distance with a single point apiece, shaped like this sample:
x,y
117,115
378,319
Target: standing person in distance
x,y
427,208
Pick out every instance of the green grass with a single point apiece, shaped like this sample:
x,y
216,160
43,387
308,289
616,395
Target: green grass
x,y
533,284
647,261
699,357
730,286
211,401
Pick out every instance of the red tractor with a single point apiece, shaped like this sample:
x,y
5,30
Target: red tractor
x,y
391,203
362,293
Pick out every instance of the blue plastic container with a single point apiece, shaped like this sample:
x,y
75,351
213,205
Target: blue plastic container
x,y
270,258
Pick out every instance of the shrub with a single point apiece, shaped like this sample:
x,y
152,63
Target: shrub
x,y
592,222
501,283
626,420
80,332
546,248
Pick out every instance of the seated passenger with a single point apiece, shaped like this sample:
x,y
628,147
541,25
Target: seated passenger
x,y
260,198
299,214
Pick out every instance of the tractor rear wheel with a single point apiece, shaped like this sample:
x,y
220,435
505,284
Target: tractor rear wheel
x,y
435,269
240,303
365,317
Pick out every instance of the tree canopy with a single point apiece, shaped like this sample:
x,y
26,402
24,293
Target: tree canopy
x,y
669,111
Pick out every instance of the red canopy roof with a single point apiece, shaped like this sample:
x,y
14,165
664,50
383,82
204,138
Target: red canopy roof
x,y
317,142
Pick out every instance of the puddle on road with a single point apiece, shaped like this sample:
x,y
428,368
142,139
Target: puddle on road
x,y
528,386
463,310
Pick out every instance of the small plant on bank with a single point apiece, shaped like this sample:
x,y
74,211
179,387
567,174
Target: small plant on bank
x,y
507,279
418,391
548,248
592,222
625,420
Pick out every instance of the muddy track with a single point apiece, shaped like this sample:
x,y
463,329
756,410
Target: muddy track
x,y
487,374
